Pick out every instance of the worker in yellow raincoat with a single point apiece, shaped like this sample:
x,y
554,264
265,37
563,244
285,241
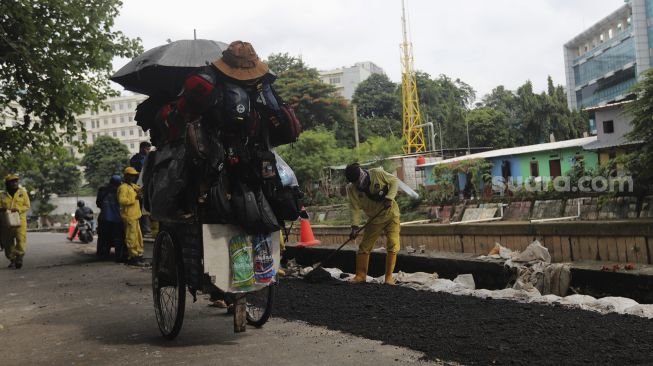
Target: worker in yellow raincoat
x,y
129,196
374,192
14,239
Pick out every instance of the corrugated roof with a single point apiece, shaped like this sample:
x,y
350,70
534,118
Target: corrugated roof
x,y
604,144
519,150
607,106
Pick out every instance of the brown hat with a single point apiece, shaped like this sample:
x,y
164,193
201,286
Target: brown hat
x,y
239,61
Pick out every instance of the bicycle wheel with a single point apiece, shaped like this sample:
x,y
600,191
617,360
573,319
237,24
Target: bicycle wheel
x,y
259,305
168,285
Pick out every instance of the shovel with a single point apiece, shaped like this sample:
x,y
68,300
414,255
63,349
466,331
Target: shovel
x,y
317,273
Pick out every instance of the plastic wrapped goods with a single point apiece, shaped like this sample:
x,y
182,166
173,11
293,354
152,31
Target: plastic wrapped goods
x,y
242,269
263,260
288,178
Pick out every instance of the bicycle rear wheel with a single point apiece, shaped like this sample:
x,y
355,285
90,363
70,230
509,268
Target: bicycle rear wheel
x,y
259,305
168,285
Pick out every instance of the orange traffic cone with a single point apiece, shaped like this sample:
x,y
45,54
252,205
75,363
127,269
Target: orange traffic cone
x,y
306,238
71,228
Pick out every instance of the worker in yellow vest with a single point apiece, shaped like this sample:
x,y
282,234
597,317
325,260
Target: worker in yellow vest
x,y
129,196
374,192
14,239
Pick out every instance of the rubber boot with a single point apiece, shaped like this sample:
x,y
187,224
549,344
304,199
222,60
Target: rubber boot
x,y
362,262
390,261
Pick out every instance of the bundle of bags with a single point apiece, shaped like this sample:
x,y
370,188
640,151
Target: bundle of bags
x,y
214,161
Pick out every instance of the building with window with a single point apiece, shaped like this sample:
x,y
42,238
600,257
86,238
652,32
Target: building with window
x,y
605,61
118,122
611,123
346,79
539,162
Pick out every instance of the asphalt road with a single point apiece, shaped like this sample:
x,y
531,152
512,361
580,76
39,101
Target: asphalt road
x,y
66,308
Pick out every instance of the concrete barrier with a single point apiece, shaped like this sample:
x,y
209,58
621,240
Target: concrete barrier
x,y
612,241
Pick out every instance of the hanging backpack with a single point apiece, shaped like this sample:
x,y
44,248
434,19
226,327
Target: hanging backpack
x,y
252,211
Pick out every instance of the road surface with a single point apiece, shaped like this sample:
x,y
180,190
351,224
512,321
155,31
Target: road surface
x,y
65,308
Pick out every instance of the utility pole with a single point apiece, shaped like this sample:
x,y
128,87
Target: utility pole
x,y
468,148
194,33
353,107
441,146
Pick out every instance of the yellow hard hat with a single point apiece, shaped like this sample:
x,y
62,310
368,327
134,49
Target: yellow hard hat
x,y
130,171
11,177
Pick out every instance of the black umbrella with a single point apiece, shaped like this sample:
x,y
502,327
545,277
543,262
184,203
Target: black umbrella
x,y
162,70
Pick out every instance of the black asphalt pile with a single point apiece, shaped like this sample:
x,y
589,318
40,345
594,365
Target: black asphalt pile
x,y
467,329
318,275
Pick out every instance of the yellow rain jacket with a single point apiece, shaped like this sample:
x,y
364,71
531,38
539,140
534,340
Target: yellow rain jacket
x,y
130,206
358,200
14,240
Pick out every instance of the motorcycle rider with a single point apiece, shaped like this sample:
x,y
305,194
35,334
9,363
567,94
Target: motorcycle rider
x,y
83,213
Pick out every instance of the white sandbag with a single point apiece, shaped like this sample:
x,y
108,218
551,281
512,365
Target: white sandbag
x,y
466,280
417,277
612,304
643,310
534,252
512,294
545,299
442,285
334,272
577,300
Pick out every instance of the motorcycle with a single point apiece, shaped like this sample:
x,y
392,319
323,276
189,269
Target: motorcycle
x,y
84,231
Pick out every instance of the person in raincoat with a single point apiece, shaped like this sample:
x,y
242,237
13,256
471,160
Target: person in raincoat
x,y
14,239
374,192
129,196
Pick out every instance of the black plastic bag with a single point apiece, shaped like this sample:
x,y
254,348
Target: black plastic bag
x,y
252,210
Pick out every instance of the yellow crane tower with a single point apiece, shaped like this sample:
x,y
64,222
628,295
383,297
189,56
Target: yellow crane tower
x,y
413,135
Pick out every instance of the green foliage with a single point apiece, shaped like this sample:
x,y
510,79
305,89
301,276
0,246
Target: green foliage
x,y
311,154
377,96
476,169
107,156
56,59
445,101
44,172
639,162
318,149
488,127
316,103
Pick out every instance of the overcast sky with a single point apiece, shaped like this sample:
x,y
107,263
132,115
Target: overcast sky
x,y
483,42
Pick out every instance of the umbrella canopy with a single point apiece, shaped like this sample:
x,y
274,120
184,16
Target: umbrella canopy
x,y
162,70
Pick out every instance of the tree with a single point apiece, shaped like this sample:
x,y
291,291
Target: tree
x,y
106,157
55,62
44,172
488,128
445,101
311,154
377,96
639,162
316,103
56,172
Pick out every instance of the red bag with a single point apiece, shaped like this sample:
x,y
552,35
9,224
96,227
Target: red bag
x,y
288,129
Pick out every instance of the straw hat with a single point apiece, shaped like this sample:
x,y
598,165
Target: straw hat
x,y
239,61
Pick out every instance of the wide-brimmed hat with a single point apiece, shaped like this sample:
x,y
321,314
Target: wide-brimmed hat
x,y
239,61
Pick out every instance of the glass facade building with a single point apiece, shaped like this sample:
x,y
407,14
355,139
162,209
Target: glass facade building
x,y
604,62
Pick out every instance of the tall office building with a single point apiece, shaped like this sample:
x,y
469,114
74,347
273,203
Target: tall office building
x,y
118,122
346,79
605,61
